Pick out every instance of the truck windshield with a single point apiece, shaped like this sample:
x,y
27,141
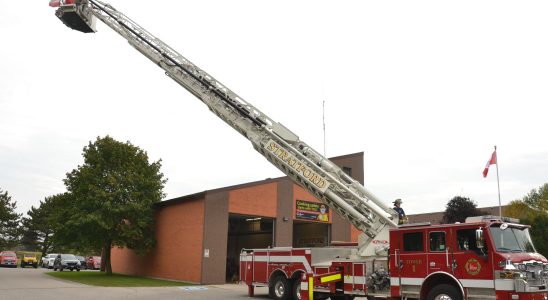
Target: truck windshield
x,y
512,239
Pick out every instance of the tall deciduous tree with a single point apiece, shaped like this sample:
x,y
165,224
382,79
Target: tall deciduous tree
x,y
532,209
9,221
459,208
110,198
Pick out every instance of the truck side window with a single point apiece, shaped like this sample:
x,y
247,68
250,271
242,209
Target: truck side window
x,y
466,240
437,241
413,241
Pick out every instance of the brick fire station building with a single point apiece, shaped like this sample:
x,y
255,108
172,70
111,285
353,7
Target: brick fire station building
x,y
199,236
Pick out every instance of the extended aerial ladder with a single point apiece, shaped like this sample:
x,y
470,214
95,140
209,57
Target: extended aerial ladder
x,y
276,143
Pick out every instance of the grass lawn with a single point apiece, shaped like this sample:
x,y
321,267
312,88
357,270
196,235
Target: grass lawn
x,y
116,280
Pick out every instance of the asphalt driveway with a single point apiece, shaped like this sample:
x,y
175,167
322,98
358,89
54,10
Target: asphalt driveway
x,y
33,284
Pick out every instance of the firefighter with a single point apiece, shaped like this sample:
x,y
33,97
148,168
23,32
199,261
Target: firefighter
x,y
402,218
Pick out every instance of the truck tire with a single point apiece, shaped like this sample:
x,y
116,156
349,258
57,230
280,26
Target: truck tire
x,y
296,289
281,288
444,292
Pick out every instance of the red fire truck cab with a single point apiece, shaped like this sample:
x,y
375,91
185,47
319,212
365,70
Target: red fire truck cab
x,y
483,258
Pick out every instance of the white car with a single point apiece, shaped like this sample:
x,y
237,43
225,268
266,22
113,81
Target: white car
x,y
47,261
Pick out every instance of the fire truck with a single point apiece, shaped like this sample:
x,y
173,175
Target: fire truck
x,y
483,258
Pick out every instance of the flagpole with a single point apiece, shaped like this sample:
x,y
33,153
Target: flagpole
x,y
323,120
498,182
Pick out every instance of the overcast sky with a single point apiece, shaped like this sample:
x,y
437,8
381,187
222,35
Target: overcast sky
x,y
424,88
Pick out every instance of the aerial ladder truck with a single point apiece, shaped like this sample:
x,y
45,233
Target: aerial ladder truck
x,y
424,261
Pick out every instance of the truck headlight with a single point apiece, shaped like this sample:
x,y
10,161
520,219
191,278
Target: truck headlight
x,y
521,267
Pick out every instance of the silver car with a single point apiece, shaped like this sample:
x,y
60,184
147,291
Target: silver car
x,y
47,261
66,261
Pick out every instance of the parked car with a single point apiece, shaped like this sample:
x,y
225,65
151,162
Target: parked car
x,y
47,261
8,259
29,260
66,261
94,262
82,261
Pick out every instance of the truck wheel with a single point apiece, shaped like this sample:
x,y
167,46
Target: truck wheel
x,y
444,292
296,290
281,288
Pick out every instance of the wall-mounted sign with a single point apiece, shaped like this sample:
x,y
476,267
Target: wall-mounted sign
x,y
306,210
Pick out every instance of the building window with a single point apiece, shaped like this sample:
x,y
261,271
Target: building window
x,y
437,241
347,171
413,241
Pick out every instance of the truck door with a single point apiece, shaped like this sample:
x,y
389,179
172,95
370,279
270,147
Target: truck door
x,y
413,257
471,265
439,258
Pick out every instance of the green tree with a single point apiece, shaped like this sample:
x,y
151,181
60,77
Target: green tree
x,y
29,239
459,208
39,225
538,200
110,199
9,221
69,234
532,210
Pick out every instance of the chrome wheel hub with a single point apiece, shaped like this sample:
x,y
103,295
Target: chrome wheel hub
x,y
443,297
279,289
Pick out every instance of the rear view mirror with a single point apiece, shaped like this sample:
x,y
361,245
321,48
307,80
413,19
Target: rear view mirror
x,y
480,241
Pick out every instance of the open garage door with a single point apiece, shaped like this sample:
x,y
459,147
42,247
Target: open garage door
x,y
246,232
309,234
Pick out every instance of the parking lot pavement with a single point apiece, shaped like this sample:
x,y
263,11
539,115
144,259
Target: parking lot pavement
x,y
31,284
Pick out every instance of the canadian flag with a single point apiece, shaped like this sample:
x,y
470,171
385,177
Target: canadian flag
x,y
491,161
